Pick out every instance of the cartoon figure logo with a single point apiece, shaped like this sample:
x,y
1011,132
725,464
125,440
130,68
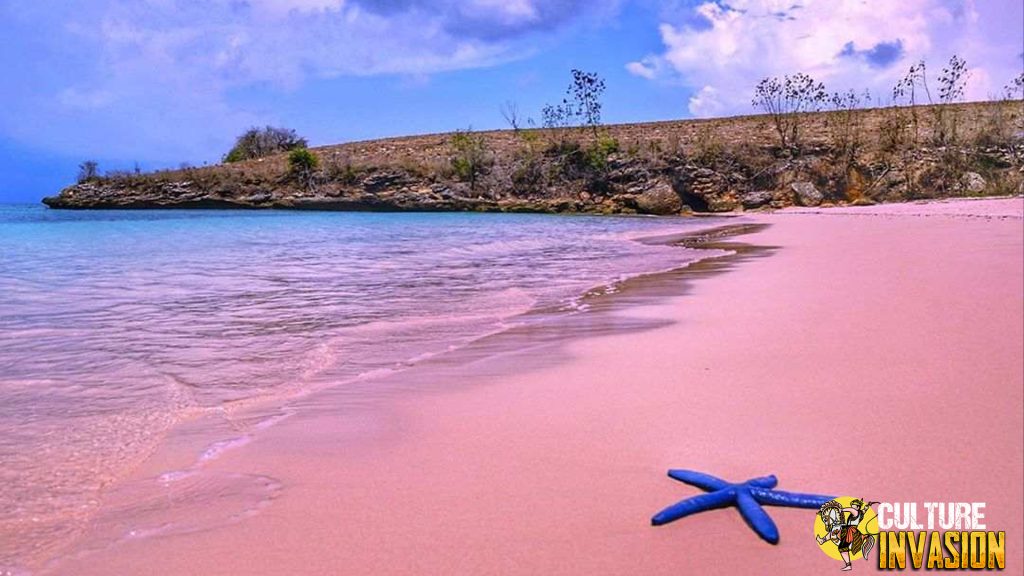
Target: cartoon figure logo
x,y
845,529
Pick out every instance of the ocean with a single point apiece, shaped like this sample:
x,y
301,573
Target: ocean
x,y
117,325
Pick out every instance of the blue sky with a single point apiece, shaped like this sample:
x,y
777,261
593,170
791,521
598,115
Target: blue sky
x,y
161,82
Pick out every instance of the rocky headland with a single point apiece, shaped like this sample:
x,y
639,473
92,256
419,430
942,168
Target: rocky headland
x,y
677,167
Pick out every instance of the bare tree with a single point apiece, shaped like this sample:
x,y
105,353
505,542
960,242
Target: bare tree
x,y
952,83
845,122
510,112
785,100
906,90
953,80
88,170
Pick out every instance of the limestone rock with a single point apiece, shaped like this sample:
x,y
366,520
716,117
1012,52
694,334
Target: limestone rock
x,y
806,193
972,183
705,190
755,198
661,199
725,202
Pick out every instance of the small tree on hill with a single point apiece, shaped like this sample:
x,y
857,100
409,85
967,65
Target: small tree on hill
x,y
260,142
302,164
1015,89
510,112
470,156
88,171
581,105
952,83
845,123
556,118
784,100
914,81
586,91
906,91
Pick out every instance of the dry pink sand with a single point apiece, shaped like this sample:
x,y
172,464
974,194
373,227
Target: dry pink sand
x,y
878,357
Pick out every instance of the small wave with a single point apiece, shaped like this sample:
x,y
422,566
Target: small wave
x,y
129,339
155,507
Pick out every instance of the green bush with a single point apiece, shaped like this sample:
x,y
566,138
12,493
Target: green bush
x,y
302,161
598,153
470,156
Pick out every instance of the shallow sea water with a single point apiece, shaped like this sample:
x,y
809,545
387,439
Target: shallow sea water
x,y
117,325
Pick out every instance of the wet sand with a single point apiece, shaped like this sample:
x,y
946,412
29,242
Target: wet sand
x,y
873,353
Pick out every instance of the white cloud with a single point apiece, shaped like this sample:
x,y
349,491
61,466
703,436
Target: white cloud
x,y
152,79
645,68
509,11
706,103
721,50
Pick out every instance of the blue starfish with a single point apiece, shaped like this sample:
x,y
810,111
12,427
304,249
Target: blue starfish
x,y
747,496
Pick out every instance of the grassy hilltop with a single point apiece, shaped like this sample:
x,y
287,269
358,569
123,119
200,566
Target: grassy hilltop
x,y
847,155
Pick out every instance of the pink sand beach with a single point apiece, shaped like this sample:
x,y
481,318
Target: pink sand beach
x,y
873,352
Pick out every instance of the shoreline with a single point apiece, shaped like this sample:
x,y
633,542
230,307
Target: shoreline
x,y
530,470
202,437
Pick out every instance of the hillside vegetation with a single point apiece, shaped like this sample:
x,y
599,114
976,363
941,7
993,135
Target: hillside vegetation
x,y
847,155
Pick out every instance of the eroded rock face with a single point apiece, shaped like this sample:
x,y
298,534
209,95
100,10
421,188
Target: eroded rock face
x,y
705,190
806,194
661,199
855,185
972,183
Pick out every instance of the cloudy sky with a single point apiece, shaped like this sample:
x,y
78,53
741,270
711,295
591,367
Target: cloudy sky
x,y
161,82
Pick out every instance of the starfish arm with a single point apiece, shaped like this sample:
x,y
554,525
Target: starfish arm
x,y
718,499
764,481
756,517
705,482
791,499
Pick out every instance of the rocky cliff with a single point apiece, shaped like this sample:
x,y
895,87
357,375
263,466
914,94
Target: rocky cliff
x,y
720,165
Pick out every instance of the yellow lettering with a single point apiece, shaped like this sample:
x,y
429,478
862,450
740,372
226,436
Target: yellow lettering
x,y
892,550
916,542
997,550
977,550
934,551
952,539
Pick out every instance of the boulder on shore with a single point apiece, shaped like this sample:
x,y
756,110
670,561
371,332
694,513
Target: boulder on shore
x,y
755,198
807,194
661,199
972,183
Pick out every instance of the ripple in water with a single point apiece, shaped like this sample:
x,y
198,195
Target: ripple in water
x,y
114,326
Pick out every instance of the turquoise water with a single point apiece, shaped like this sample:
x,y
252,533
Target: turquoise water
x,y
115,325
